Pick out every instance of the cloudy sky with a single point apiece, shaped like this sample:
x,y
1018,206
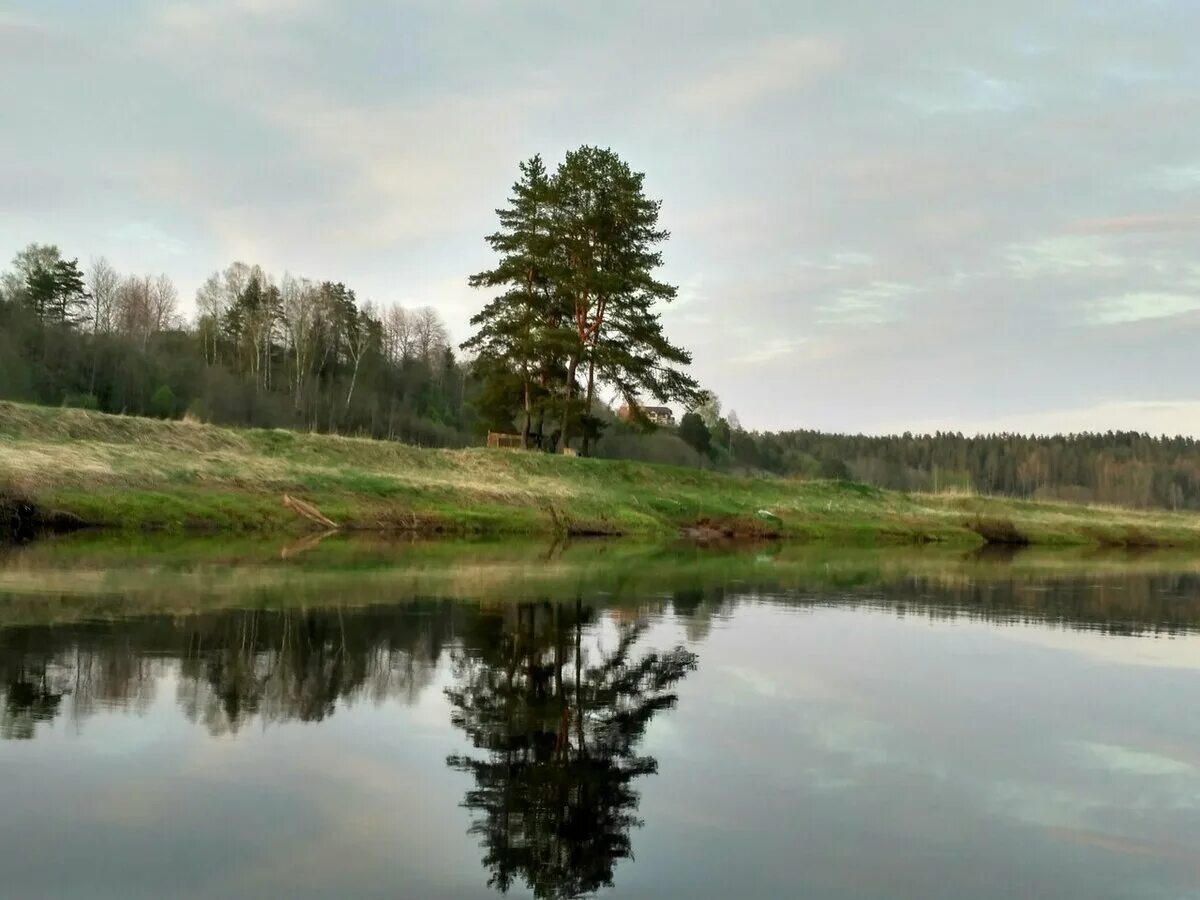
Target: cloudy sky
x,y
912,215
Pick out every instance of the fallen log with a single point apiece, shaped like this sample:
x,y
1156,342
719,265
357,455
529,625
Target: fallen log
x,y
308,511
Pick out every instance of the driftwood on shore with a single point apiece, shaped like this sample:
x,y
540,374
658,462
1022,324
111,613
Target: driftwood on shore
x,y
308,511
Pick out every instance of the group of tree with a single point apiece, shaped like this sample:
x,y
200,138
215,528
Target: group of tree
x,y
286,352
574,314
576,308
1117,467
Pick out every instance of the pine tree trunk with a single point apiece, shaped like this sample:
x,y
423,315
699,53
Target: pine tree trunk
x,y
528,415
591,390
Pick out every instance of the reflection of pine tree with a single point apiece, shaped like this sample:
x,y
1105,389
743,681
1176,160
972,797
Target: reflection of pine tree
x,y
554,792
33,696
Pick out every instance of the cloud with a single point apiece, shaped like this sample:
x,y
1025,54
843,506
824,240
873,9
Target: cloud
x,y
768,350
221,14
758,71
840,260
1134,307
411,169
966,90
1059,255
1150,222
1176,178
12,22
1133,761
870,304
357,174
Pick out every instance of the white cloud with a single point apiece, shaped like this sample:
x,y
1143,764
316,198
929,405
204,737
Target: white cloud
x,y
773,66
869,304
1133,760
1136,306
1060,255
1176,178
218,14
147,234
836,262
768,350
411,169
408,168
966,91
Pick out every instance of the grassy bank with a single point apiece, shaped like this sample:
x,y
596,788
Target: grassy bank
x,y
145,474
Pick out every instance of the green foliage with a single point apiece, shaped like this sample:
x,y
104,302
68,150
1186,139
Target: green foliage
x,y
250,360
695,433
163,402
83,401
577,250
1123,468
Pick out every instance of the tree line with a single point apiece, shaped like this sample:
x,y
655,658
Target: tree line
x,y
1115,467
265,351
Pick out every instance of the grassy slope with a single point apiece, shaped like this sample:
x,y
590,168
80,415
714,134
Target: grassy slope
x,y
147,474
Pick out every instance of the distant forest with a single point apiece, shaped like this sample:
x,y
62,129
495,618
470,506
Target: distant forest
x,y
1122,468
288,352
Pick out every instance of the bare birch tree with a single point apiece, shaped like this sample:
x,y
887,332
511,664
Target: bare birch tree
x,y
212,302
103,282
430,336
300,312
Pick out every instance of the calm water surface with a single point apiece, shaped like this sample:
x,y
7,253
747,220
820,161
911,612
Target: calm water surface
x,y
694,734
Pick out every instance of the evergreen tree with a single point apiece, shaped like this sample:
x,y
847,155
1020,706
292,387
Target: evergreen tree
x,y
578,255
610,237
517,329
695,433
69,299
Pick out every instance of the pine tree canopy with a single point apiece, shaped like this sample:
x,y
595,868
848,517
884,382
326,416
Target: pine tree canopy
x,y
576,307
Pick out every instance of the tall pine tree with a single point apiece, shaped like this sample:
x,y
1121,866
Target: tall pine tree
x,y
519,328
578,251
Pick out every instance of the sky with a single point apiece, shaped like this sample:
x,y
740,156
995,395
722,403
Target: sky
x,y
918,215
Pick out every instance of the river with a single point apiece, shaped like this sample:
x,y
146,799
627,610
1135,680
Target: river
x,y
199,719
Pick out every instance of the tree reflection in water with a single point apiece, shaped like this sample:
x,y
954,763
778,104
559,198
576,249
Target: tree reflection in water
x,y
231,666
559,722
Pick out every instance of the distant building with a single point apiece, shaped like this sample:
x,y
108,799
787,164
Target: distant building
x,y
659,415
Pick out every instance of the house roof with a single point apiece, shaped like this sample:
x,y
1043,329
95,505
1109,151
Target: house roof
x,y
649,411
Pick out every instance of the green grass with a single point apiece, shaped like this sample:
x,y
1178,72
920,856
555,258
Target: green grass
x,y
146,474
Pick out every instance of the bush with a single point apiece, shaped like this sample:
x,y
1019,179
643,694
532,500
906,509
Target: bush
x,y
162,402
82,401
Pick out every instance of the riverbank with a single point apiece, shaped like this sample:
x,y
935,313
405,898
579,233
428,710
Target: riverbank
x,y
66,466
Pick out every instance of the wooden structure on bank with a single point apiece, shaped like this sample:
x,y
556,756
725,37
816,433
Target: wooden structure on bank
x,y
505,441
501,441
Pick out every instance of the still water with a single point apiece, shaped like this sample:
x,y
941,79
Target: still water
x,y
341,721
